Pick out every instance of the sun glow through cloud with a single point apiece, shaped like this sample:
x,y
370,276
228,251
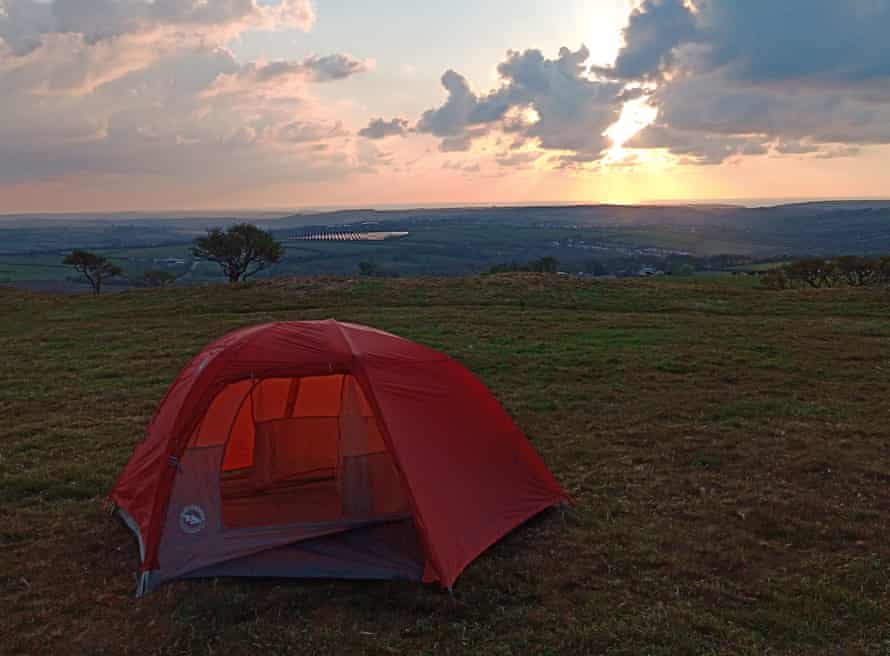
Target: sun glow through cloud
x,y
189,104
635,115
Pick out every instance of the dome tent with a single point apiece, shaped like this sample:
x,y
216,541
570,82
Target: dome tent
x,y
325,449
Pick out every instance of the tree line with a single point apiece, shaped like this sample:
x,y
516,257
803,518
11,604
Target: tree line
x,y
844,271
544,265
240,251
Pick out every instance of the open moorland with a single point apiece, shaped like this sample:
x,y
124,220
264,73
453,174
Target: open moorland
x,y
726,446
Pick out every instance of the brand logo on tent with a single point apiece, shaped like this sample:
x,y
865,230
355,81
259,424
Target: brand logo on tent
x,y
192,519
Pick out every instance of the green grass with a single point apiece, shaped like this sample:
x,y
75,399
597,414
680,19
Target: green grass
x,y
726,446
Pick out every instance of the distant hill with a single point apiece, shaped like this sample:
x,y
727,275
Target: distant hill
x,y
616,239
822,228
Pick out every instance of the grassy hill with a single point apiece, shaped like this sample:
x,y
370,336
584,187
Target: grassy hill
x,y
727,448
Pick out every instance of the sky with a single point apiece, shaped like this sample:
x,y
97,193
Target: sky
x,y
109,105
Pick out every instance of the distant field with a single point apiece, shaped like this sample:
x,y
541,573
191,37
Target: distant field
x,y
726,448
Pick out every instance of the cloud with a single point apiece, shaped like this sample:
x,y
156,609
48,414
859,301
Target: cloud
x,y
521,159
812,42
467,168
572,110
282,78
461,110
694,147
710,118
23,23
380,129
653,31
801,77
137,88
549,101
808,78
298,132
77,45
809,42
335,67
461,142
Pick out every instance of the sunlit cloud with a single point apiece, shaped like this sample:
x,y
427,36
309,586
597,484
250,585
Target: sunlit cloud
x,y
168,88
635,115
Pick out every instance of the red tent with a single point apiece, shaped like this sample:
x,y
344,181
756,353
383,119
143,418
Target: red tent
x,y
325,449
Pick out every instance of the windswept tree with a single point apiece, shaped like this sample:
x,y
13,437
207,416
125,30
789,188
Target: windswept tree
x,y
94,268
241,250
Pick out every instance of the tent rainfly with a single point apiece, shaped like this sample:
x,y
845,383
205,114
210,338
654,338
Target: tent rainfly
x,y
321,449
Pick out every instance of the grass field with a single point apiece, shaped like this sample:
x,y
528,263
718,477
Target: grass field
x,y
727,448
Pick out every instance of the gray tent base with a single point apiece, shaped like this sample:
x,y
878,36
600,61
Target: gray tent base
x,y
387,551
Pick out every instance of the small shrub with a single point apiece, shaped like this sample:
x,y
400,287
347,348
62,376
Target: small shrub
x,y
776,279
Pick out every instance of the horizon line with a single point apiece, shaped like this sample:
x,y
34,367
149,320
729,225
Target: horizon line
x,y
214,212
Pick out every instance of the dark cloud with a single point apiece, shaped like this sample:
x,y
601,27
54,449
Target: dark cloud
x,y
793,147
693,147
709,118
804,41
798,77
653,31
519,160
572,110
551,101
286,77
334,67
811,42
462,110
461,142
380,129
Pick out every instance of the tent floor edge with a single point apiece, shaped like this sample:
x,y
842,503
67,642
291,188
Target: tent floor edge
x,y
134,527
148,583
